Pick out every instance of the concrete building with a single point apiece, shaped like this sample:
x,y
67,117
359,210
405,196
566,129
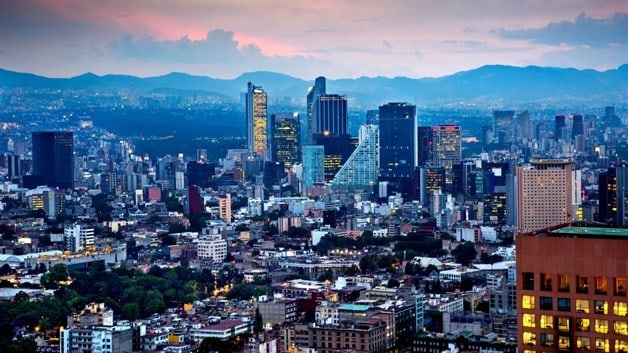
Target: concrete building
x,y
78,237
212,247
102,339
278,312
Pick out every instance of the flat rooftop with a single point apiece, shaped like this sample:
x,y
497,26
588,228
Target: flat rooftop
x,y
593,231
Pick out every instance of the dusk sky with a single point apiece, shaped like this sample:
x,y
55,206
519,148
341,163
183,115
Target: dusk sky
x,y
337,39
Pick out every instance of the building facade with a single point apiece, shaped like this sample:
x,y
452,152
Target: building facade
x,y
256,119
286,139
53,158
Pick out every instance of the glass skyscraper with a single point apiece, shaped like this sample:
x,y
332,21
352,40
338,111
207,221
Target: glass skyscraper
x,y
313,166
256,119
286,139
362,167
53,158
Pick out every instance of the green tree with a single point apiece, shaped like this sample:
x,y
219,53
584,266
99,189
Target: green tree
x,y
259,323
56,274
465,253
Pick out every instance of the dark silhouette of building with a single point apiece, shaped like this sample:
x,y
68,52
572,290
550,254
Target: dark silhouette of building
x,y
313,93
613,196
398,148
200,173
425,141
504,125
53,158
559,124
578,126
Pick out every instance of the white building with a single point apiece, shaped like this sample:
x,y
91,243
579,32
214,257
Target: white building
x,y
99,339
78,237
212,247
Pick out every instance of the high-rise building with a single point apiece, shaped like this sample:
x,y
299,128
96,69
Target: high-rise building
x,y
545,194
525,126
313,93
313,166
286,139
495,208
372,117
504,125
432,179
330,115
577,127
398,148
53,158
447,149
200,173
224,207
613,194
256,119
361,168
425,141
571,290
559,124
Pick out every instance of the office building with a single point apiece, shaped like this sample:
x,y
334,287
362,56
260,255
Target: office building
x,y
286,139
545,194
425,141
361,168
256,119
200,173
525,126
330,115
212,247
613,196
571,290
46,199
447,149
53,158
504,126
495,209
372,117
559,124
313,166
313,93
398,148
577,127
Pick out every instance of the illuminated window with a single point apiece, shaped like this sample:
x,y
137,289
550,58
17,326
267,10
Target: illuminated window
x,y
582,284
583,342
601,307
563,324
563,283
620,308
621,346
602,345
583,324
601,285
582,306
529,338
547,339
547,321
563,342
621,328
527,302
546,282
529,320
601,326
620,286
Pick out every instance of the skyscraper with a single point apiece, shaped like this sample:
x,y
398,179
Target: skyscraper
x,y
613,191
559,125
286,139
330,115
504,125
313,93
53,158
398,148
545,191
577,127
362,167
447,149
256,119
313,166
424,145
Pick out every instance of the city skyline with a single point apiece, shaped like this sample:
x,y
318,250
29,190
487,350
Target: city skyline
x,y
335,39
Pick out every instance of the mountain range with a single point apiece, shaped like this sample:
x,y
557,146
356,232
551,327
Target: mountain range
x,y
486,83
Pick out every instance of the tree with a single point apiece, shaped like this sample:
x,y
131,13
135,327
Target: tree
x,y
259,323
5,270
465,253
393,283
56,274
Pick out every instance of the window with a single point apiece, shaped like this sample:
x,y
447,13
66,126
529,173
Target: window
x,y
527,301
621,328
620,308
563,342
528,280
545,303
582,306
546,282
582,285
529,338
620,286
564,304
547,339
601,285
583,342
621,346
547,321
602,345
529,320
601,326
601,307
563,283
563,324
583,324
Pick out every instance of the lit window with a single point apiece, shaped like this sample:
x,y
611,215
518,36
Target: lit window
x,y
621,346
546,282
601,285
620,308
582,306
563,324
529,320
563,283
602,345
547,339
563,342
601,307
601,326
527,302
620,286
529,338
583,342
583,324
621,328
547,321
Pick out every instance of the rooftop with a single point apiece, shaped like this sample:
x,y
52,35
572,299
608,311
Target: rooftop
x,y
355,307
593,231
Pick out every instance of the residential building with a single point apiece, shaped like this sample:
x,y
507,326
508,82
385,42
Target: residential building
x,y
212,247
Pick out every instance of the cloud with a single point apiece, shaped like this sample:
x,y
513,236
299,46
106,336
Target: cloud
x,y
583,31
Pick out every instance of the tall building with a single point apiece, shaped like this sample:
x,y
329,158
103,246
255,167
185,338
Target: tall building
x,y
613,196
577,127
286,139
372,117
559,124
398,148
200,173
256,119
313,93
53,158
330,115
224,206
545,194
504,125
78,237
313,166
361,168
571,290
525,126
337,151
447,149
425,141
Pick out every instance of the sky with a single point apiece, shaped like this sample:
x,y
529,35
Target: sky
x,y
305,39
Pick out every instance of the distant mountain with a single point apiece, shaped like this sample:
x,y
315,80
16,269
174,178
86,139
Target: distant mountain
x,y
491,82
